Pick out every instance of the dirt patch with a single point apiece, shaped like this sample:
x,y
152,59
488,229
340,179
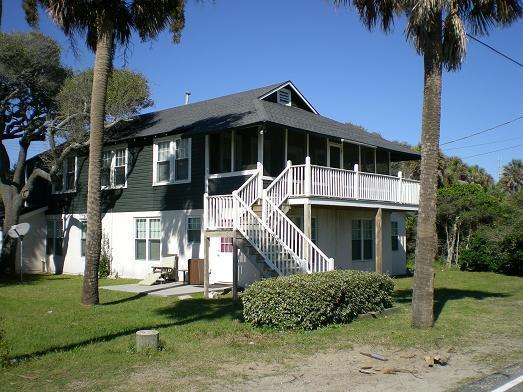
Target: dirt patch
x,y
404,370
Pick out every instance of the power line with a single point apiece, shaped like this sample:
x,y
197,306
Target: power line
x,y
483,131
485,144
493,151
495,50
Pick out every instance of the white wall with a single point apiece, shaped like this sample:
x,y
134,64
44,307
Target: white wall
x,y
335,237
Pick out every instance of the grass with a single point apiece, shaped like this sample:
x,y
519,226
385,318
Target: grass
x,y
58,344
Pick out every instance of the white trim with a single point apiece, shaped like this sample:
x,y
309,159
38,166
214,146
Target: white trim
x,y
350,203
147,237
207,163
233,173
290,84
172,160
64,178
284,101
193,215
337,145
113,150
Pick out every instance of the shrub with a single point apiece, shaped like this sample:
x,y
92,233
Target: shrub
x,y
104,268
315,300
4,350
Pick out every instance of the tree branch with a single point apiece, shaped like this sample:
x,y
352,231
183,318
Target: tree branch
x,y
28,187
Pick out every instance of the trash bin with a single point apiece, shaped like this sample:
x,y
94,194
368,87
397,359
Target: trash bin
x,y
195,271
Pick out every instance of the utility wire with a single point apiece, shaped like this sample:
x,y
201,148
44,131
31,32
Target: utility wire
x,y
495,50
485,144
493,151
483,131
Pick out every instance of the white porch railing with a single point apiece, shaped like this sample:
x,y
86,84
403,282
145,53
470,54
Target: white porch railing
x,y
320,181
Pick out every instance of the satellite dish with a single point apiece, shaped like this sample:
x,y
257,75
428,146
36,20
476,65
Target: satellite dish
x,y
19,230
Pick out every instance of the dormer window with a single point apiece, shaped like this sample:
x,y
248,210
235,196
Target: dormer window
x,y
284,96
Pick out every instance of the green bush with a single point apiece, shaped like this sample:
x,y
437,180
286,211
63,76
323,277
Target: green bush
x,y
497,250
315,300
104,268
4,350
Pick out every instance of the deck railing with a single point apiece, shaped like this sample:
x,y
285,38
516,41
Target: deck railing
x,y
320,181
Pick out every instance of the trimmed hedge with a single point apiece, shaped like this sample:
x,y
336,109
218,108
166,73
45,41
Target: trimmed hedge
x,y
315,300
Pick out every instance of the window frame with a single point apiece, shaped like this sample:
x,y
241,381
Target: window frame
x,y
54,221
83,237
226,245
361,238
147,237
394,236
172,160
112,167
64,177
187,229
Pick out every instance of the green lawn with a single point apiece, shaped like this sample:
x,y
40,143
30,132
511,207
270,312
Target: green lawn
x,y
59,344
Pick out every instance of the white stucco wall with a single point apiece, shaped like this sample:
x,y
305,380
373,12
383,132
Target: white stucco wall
x,y
335,237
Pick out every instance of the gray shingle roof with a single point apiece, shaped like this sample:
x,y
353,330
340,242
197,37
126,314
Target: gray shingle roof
x,y
240,110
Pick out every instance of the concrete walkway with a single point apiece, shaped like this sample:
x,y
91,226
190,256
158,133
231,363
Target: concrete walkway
x,y
167,289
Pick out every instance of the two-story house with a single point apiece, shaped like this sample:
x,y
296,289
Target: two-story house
x,y
259,172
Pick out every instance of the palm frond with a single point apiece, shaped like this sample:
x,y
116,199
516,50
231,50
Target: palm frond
x,y
150,18
454,41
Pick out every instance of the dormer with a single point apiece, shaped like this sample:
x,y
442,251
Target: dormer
x,y
288,95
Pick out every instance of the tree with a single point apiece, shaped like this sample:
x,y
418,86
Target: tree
x,y
512,177
462,208
106,24
30,77
478,175
437,31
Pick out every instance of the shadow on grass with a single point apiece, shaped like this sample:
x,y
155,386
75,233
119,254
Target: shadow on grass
x,y
123,300
181,312
32,279
443,295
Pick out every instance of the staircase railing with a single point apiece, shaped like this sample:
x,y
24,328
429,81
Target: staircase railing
x,y
276,254
274,196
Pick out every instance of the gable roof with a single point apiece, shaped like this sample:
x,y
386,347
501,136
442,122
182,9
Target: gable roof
x,y
240,110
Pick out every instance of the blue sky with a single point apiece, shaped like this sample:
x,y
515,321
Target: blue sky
x,y
348,74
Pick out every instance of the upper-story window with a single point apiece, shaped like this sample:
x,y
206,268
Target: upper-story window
x,y
114,168
172,161
67,176
284,96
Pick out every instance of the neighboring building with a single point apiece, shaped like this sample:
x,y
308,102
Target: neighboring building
x,y
173,178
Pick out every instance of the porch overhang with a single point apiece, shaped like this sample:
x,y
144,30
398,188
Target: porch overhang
x,y
335,202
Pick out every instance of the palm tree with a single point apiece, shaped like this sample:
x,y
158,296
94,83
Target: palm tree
x,y
512,176
454,170
105,24
478,175
437,31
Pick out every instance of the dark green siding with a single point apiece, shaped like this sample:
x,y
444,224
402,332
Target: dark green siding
x,y
140,195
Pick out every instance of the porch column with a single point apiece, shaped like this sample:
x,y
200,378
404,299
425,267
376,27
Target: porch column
x,y
307,226
235,266
379,240
206,244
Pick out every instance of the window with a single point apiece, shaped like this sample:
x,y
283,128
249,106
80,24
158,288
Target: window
x,y
220,152
362,239
67,176
245,149
114,168
194,228
147,239
284,96
226,245
55,237
394,235
172,161
83,235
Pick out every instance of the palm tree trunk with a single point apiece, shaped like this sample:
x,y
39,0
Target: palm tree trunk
x,y
102,69
426,240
